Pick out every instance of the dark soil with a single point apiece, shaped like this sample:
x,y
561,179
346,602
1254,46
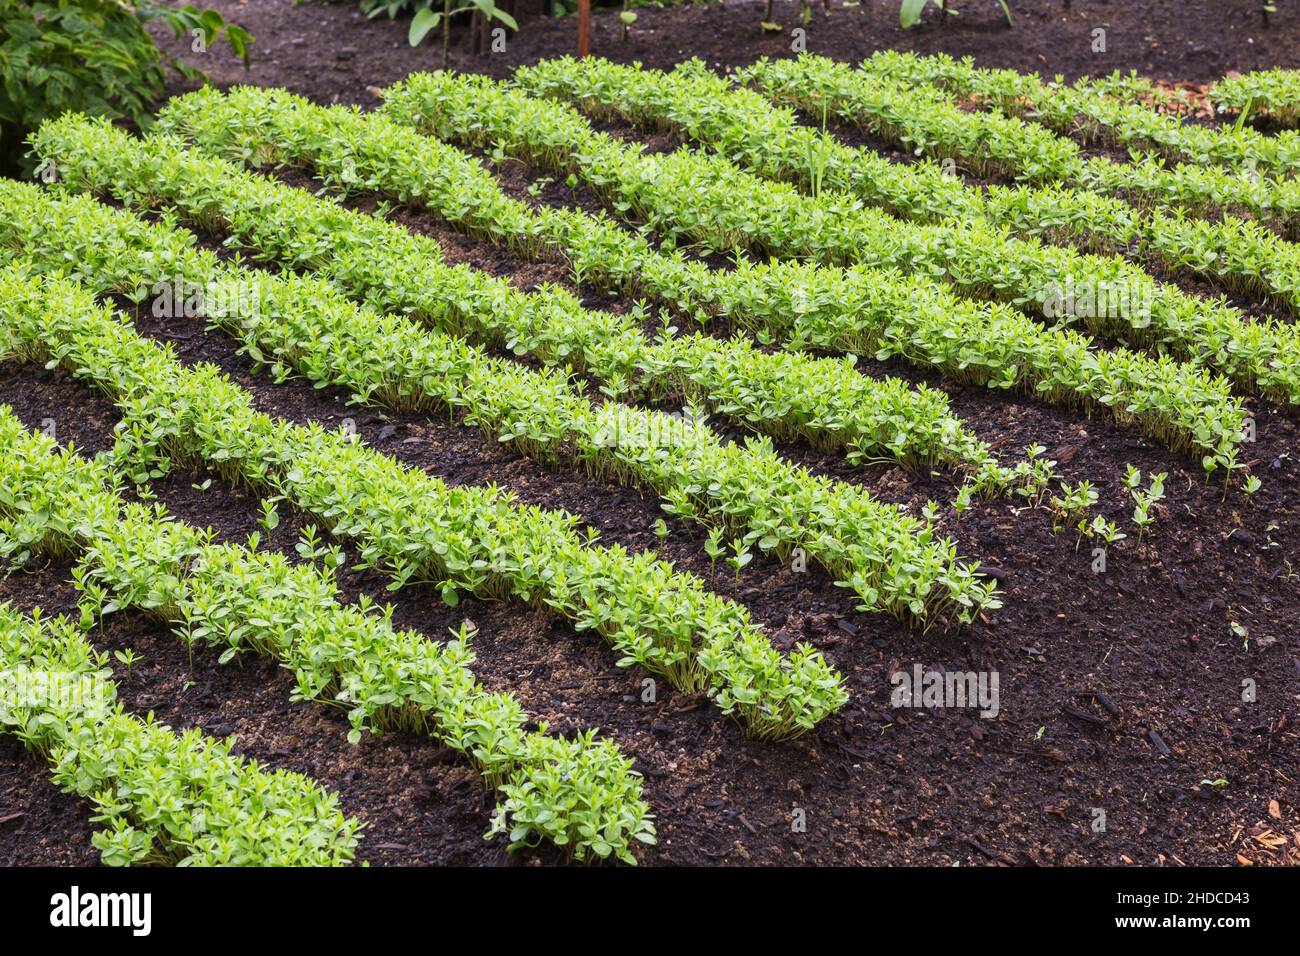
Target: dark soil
x,y
1121,692
332,53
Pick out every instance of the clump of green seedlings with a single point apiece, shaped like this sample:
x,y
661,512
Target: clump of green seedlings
x,y
313,548
1144,500
965,498
1099,527
1071,504
1034,474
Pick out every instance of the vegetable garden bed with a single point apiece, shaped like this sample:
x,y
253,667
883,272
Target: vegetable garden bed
x,y
676,637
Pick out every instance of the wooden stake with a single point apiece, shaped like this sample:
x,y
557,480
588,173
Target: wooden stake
x,y
584,28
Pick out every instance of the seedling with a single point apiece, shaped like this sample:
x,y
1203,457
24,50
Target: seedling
x,y
1072,502
818,153
1108,531
1034,474
311,547
741,556
414,528
713,545
909,11
1144,500
92,600
270,517
127,657
427,19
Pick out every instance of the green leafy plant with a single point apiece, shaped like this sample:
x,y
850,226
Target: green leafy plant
x,y
127,657
1271,94
270,517
161,798
1071,503
741,555
94,57
713,545
427,18
1034,474
1104,110
909,11
311,547
1108,531
1144,500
